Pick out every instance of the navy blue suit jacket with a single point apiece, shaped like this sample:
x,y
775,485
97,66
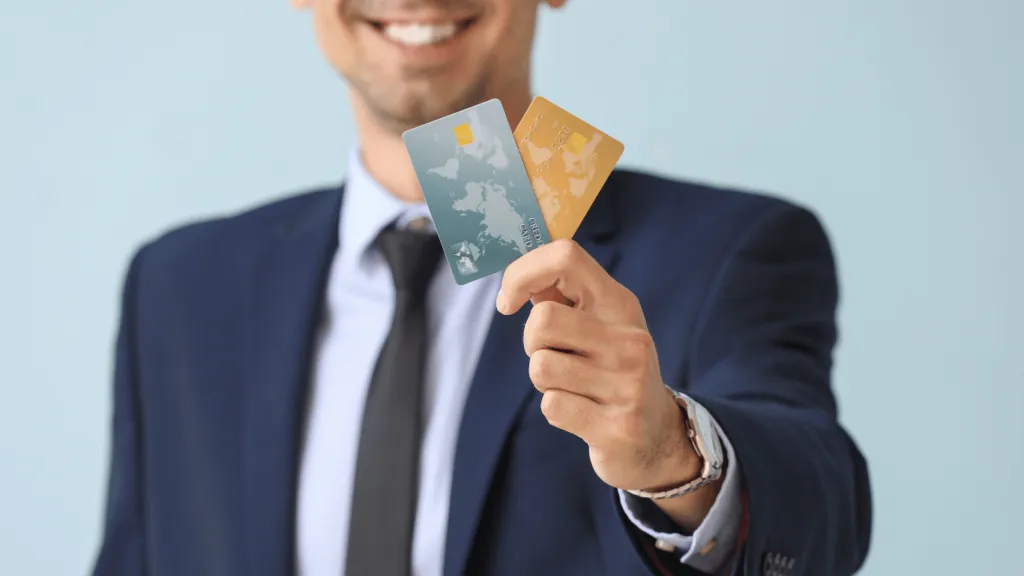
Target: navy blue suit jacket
x,y
213,364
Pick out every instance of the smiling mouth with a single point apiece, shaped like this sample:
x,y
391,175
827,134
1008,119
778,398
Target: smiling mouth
x,y
415,34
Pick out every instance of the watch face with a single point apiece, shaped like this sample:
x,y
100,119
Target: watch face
x,y
699,420
704,435
709,437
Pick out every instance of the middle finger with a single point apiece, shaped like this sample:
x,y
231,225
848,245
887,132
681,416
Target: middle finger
x,y
560,327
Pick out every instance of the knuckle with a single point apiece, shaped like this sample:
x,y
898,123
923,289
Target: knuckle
x,y
631,426
632,395
631,299
563,410
529,337
542,317
630,305
542,366
540,321
552,406
636,347
567,252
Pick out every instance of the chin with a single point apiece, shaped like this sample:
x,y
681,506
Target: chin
x,y
412,108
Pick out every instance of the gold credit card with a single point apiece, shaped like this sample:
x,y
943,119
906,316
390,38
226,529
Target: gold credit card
x,y
567,160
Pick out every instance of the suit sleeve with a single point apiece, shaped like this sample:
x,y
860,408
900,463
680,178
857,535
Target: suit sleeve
x,y
761,365
710,548
122,551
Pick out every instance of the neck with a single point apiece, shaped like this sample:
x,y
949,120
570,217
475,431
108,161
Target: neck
x,y
384,155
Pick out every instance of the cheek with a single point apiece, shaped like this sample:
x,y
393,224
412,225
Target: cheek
x,y
513,38
336,38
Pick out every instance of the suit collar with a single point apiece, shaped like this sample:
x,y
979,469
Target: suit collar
x,y
284,308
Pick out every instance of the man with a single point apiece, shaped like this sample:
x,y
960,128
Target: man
x,y
303,388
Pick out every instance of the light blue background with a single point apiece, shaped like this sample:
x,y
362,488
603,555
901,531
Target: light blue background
x,y
899,121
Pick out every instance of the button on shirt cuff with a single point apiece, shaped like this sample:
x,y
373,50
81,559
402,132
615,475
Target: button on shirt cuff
x,y
711,546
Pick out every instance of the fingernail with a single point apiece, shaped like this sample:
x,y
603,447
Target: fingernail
x,y
500,303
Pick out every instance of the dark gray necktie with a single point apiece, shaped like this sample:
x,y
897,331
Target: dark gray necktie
x,y
387,466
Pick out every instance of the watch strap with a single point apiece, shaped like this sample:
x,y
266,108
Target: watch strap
x,y
697,425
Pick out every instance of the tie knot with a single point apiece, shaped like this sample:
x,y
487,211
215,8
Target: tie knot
x,y
412,256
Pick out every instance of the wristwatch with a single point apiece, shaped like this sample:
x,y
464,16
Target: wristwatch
x,y
701,431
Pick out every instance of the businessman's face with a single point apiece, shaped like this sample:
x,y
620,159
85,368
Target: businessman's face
x,y
412,61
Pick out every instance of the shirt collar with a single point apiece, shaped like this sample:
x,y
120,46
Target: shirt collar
x,y
367,208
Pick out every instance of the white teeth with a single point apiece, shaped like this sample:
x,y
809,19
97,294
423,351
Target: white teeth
x,y
417,34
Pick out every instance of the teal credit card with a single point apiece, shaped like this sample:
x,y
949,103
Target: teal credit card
x,y
477,190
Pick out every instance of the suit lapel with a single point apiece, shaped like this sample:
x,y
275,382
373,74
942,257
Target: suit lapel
x,y
287,287
500,390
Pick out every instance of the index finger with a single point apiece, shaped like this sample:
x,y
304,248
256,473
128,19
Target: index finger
x,y
561,265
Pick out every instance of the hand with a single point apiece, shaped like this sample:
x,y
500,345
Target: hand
x,y
594,361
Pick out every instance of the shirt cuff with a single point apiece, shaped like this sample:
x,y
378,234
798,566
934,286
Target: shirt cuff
x,y
711,546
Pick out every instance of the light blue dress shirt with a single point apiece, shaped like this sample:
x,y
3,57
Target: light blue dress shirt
x,y
356,317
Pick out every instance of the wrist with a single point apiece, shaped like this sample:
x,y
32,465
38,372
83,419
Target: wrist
x,y
689,510
690,472
679,462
